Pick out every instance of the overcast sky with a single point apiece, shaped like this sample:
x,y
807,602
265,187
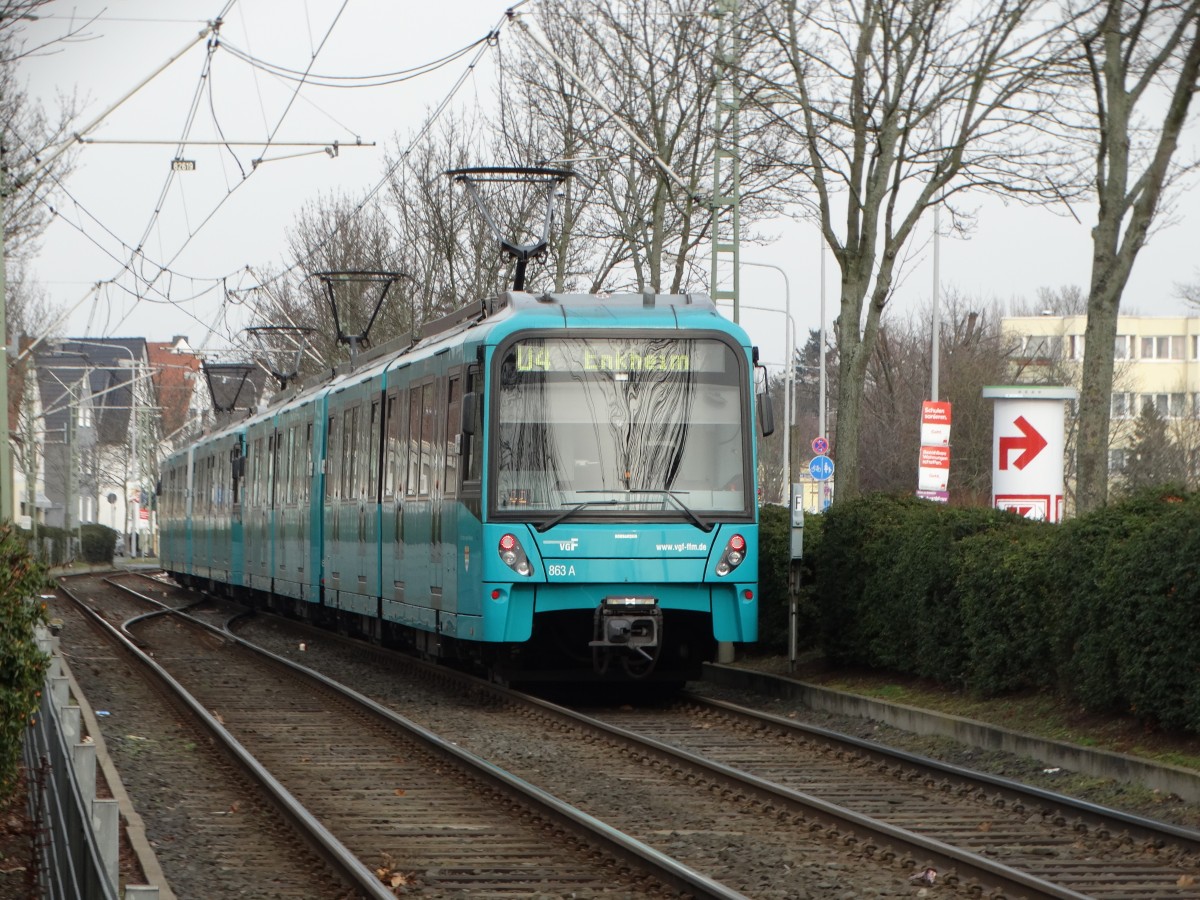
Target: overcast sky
x,y
229,213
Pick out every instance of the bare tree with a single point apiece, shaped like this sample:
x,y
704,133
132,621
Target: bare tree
x,y
651,66
1135,51
972,354
896,106
26,133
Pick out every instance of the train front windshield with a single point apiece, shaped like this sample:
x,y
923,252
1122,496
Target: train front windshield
x,y
633,427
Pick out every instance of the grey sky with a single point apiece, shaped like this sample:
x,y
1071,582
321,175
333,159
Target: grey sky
x,y
116,187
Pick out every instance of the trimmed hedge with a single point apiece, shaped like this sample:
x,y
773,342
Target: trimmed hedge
x,y
1103,609
22,664
99,543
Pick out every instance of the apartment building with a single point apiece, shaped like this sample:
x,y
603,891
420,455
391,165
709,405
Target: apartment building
x,y
1157,361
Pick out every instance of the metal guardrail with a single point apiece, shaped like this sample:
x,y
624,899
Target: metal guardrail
x,y
79,834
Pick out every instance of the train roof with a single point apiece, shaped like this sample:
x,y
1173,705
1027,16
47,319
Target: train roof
x,y
493,319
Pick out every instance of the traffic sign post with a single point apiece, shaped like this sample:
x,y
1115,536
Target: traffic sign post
x,y
821,468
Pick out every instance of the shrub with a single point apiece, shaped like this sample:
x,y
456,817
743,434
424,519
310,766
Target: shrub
x,y
1009,607
99,543
22,664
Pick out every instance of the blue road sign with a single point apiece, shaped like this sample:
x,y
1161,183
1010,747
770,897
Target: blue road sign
x,y
821,468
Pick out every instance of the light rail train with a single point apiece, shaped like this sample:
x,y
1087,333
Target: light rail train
x,y
551,487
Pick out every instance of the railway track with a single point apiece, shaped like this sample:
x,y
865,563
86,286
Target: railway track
x,y
410,809
768,809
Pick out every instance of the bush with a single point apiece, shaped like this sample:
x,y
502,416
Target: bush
x,y
99,543
886,572
22,664
1009,607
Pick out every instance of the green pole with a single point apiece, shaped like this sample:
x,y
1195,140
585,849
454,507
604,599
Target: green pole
x,y
6,472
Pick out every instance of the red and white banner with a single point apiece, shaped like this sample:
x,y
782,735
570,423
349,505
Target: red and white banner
x,y
935,423
934,469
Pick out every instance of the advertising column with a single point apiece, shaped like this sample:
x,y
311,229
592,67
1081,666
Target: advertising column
x,y
1028,443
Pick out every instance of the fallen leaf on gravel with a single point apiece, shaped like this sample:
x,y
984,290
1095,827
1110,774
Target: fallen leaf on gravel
x,y
399,792
985,826
1186,881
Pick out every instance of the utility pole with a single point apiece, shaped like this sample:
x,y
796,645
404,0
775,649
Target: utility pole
x,y
727,163
6,472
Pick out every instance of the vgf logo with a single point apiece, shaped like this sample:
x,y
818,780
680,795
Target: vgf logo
x,y
567,545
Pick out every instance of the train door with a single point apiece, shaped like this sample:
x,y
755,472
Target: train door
x,y
392,524
468,588
330,543
420,561
448,517
232,469
310,528
189,503
369,546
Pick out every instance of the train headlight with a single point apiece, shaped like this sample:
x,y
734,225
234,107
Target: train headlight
x,y
735,553
512,554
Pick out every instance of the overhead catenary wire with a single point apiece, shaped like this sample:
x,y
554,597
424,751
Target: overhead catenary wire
x,y
148,273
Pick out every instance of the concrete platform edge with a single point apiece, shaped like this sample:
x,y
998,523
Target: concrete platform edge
x,y
135,828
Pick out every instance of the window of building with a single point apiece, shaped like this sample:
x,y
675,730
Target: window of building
x,y
1168,406
1076,346
1163,347
1122,405
1043,346
1123,347
1116,460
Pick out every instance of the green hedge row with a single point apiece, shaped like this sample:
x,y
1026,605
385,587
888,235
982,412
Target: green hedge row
x,y
1104,609
22,664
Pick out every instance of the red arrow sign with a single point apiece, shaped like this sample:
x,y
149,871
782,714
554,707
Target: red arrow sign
x,y
1030,445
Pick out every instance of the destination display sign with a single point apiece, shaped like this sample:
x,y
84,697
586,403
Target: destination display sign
x,y
619,357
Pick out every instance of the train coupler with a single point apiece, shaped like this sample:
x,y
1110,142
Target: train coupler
x,y
628,623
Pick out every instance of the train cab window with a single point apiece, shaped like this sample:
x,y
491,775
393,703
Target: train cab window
x,y
473,453
624,424
454,436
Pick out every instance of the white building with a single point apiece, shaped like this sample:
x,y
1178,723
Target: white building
x,y
1157,361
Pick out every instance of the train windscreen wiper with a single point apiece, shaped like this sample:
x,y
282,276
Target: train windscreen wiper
x,y
687,510
570,511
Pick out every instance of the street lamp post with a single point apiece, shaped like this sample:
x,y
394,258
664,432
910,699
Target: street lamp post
x,y
790,337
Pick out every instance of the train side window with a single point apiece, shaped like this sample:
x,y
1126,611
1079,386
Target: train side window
x,y
235,471
289,460
373,467
333,469
391,450
306,474
276,445
412,481
454,436
349,453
